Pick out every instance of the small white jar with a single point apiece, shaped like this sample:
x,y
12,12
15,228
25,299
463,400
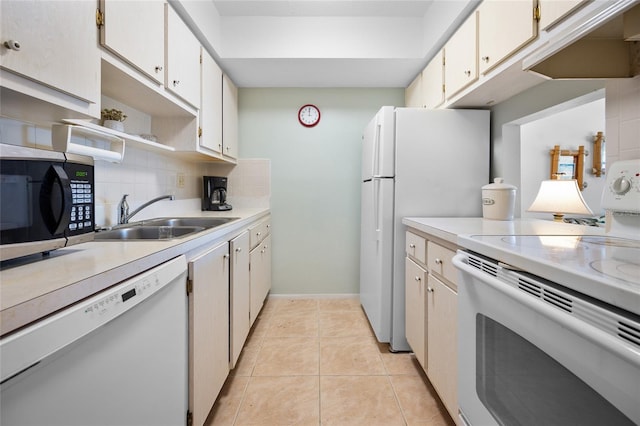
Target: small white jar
x,y
498,200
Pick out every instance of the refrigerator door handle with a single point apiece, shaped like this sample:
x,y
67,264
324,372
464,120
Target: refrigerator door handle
x,y
377,206
375,166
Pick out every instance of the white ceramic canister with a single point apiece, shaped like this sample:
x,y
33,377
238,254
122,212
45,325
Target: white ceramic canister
x,y
498,200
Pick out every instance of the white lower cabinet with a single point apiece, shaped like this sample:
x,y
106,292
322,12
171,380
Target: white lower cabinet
x,y
239,296
431,309
208,329
415,309
260,276
442,347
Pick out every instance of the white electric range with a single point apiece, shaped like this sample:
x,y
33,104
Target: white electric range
x,y
549,325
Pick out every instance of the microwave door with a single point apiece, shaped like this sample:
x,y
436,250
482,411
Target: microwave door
x,y
56,199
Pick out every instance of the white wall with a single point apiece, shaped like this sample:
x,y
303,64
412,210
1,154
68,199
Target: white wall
x,y
623,119
315,189
506,120
570,128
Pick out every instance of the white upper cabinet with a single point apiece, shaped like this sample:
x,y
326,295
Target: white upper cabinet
x,y
134,30
54,44
182,73
552,11
413,93
229,117
503,28
461,57
433,82
210,132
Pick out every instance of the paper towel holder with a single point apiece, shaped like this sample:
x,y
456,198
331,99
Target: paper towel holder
x,y
109,147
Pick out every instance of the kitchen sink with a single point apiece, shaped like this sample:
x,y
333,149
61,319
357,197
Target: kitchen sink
x,y
205,222
146,232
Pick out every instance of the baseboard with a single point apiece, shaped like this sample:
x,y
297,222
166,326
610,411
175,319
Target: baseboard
x,y
314,296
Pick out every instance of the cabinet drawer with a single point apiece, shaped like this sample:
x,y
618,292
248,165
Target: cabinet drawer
x,y
416,247
259,231
440,261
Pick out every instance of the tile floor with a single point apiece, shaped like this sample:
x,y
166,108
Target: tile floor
x,y
316,362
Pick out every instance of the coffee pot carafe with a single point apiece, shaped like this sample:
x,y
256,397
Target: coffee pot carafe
x,y
214,195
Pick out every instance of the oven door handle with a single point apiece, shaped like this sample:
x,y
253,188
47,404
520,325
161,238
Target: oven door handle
x,y
581,328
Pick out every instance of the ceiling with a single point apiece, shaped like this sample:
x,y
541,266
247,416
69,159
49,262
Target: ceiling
x,y
331,43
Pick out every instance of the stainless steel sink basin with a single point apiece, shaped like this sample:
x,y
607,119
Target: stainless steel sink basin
x,y
205,222
145,232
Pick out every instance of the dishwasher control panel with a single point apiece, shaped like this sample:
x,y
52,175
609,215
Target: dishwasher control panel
x,y
116,300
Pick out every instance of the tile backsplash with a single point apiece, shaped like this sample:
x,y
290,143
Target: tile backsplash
x,y
622,137
148,174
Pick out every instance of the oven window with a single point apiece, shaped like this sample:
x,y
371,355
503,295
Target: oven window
x,y
521,385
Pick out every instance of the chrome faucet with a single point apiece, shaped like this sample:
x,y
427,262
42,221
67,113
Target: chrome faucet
x,y
123,207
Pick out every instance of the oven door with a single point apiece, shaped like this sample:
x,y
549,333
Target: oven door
x,y
535,353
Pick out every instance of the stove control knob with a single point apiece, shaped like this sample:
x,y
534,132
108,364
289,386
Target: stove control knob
x,y
621,186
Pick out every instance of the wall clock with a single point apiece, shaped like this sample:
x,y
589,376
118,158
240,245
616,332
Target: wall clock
x,y
309,115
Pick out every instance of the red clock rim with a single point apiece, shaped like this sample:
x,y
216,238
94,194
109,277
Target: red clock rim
x,y
312,124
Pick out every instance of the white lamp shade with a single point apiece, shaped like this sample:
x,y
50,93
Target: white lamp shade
x,y
560,196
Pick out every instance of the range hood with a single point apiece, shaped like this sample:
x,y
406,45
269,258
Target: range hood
x,y
605,46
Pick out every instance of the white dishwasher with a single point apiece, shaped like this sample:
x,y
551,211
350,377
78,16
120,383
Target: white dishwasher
x,y
118,358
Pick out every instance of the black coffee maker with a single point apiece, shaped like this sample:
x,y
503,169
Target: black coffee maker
x,y
214,194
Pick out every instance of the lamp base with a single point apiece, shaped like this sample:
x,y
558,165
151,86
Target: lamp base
x,y
557,217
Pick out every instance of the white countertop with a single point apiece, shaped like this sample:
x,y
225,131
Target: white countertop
x,y
512,243
33,287
452,228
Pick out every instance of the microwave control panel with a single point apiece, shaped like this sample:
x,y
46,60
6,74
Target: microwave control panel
x,y
83,195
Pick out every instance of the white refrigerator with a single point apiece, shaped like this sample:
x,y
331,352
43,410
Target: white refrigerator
x,y
415,162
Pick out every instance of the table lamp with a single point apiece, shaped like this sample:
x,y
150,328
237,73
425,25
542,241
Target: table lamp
x,y
559,197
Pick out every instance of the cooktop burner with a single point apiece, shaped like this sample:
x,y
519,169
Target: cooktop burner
x,y
629,272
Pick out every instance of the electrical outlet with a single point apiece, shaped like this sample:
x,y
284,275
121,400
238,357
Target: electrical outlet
x,y
180,180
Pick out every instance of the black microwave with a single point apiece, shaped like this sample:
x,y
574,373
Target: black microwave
x,y
46,200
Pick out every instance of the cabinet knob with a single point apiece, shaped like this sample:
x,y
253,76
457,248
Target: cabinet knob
x,y
258,233
430,289
467,73
418,279
438,261
268,226
485,59
239,249
412,246
158,69
261,251
12,45
176,82
226,256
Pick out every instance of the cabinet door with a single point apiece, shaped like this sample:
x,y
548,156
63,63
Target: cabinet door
x,y
433,82
552,11
239,296
229,117
134,30
442,347
260,276
182,75
208,329
461,57
503,28
413,93
210,104
57,45
415,309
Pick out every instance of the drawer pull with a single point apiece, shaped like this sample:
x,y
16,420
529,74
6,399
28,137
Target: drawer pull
x,y
418,279
438,261
412,246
